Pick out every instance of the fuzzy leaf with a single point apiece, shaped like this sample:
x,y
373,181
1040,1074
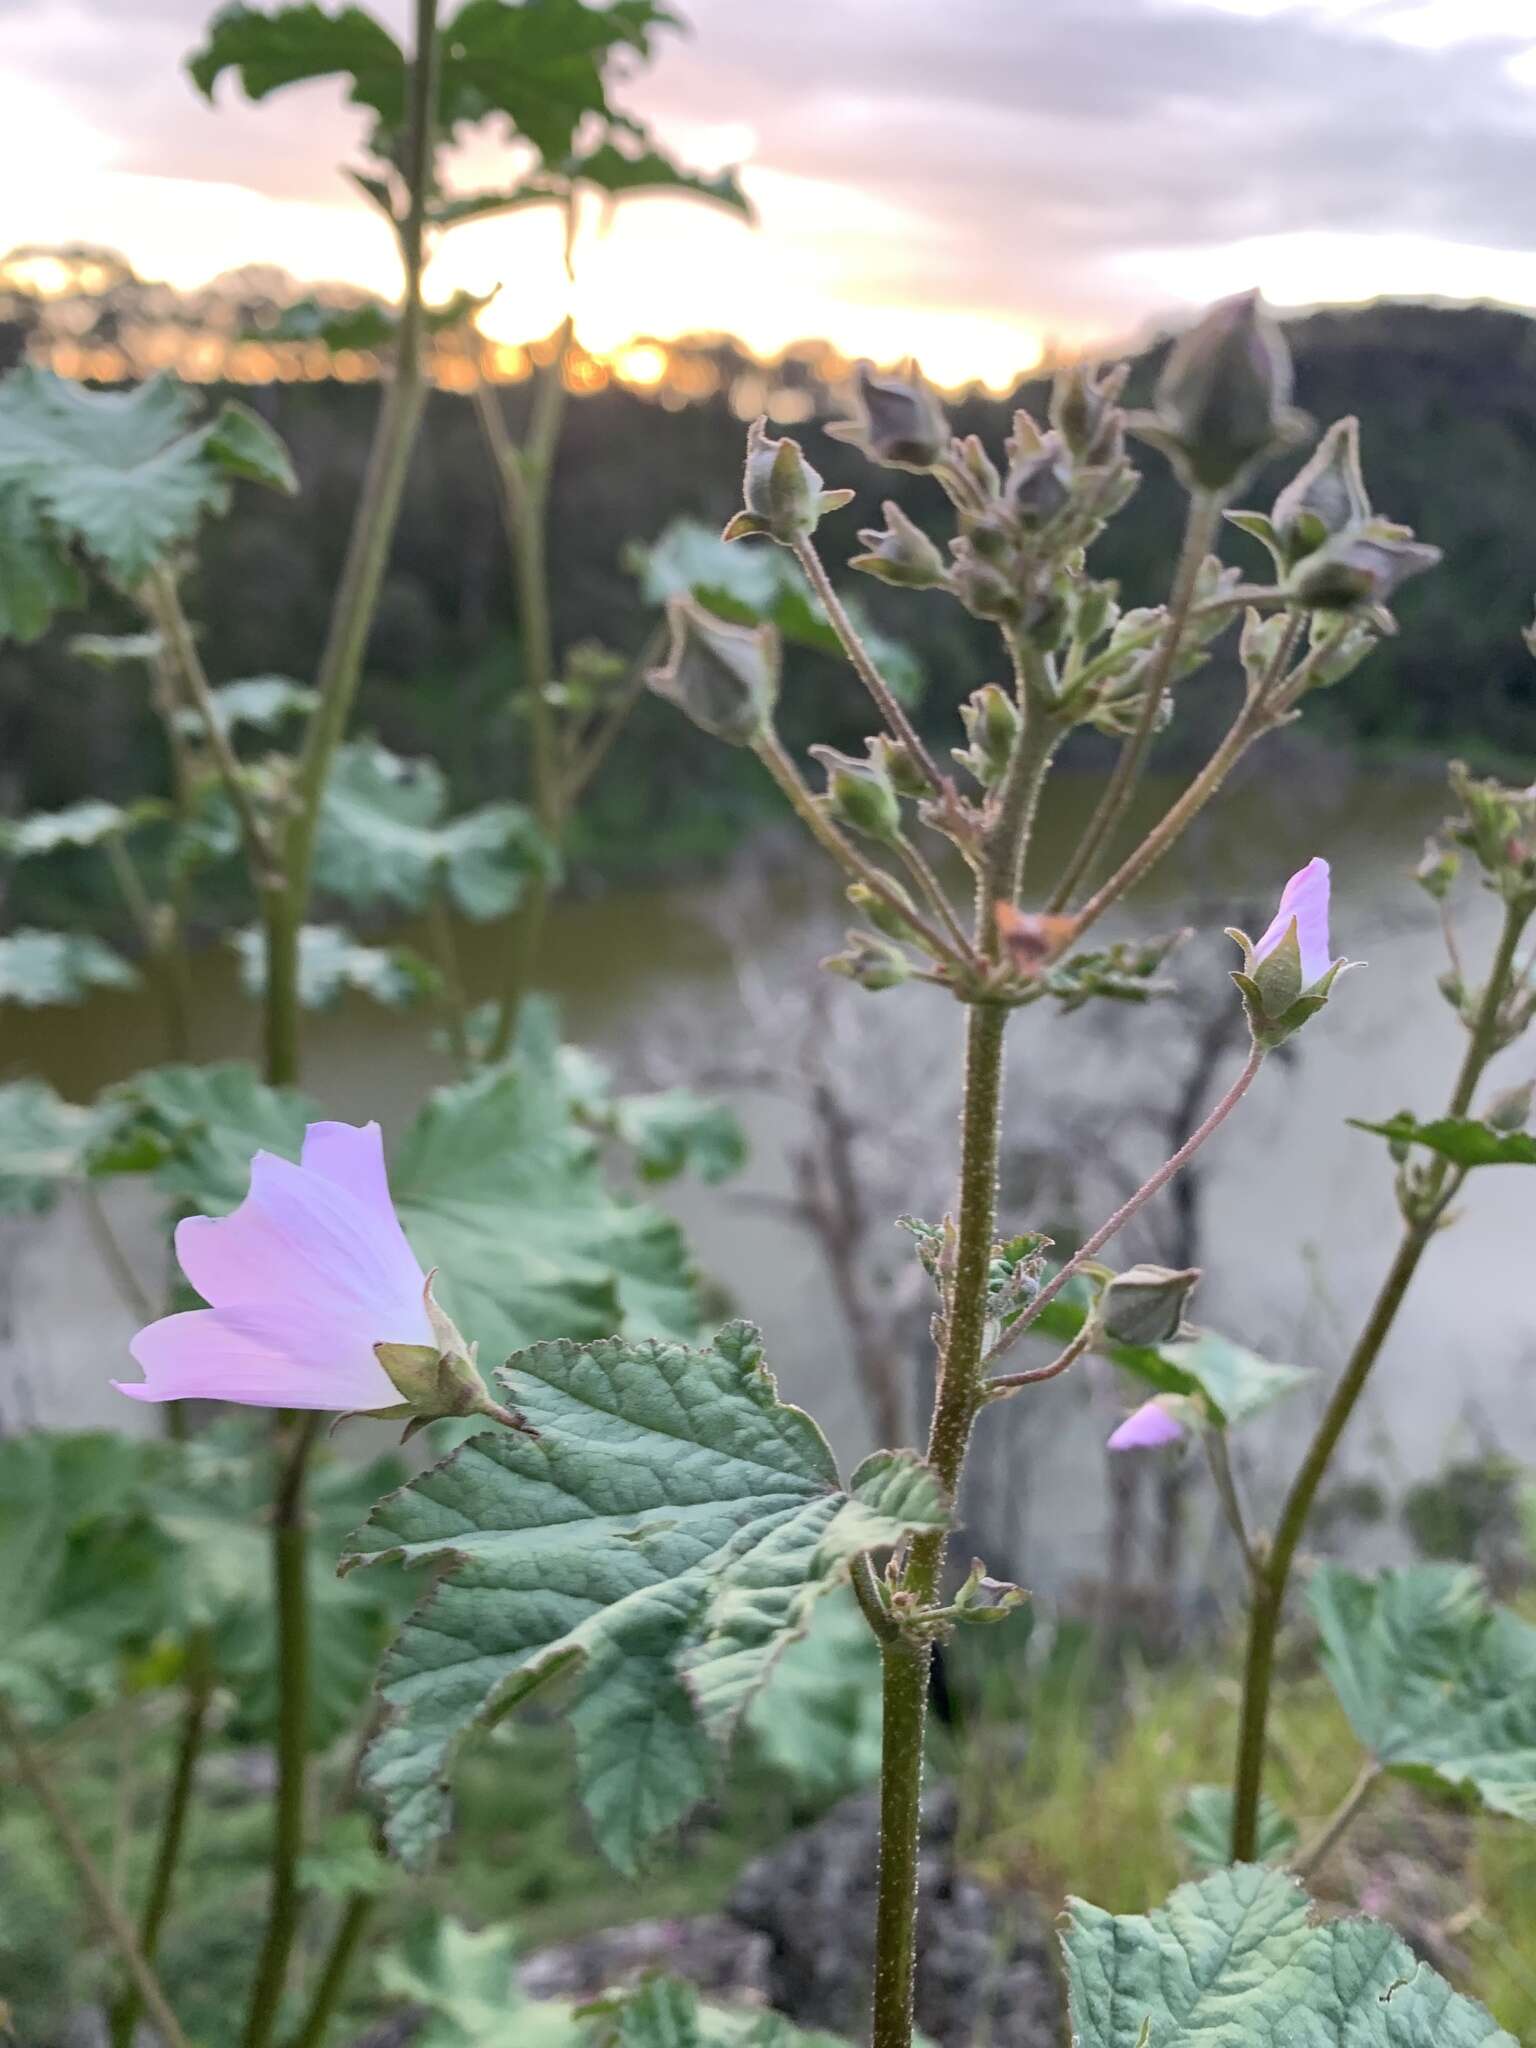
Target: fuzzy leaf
x,y
664,1539
332,963
1464,1140
1237,1959
43,1144
126,473
818,1718
36,578
1235,1383
80,824
260,702
114,650
383,839
1204,1826
38,968
1437,1682
197,1128
286,45
617,171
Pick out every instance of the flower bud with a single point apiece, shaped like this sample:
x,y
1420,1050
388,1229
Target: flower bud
x,y
899,421
1288,974
1498,826
860,795
1324,498
893,758
441,1378
1145,1304
1155,1424
1223,399
1083,407
982,1598
991,719
782,493
977,466
1437,870
902,554
873,963
1036,490
1511,1109
1359,567
887,921
984,589
725,677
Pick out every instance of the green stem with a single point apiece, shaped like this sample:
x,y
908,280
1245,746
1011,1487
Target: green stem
x,y
1199,532
960,1395
114,1921
345,1943
198,1691
1270,1585
291,1591
1003,876
455,1003
280,1007
863,663
1306,1860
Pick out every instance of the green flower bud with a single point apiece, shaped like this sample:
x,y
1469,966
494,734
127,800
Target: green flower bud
x,y
1498,826
1083,409
725,677
872,963
893,758
1223,399
1145,1304
888,922
902,554
860,795
1360,567
1511,1109
1036,490
441,1378
782,493
1437,870
991,719
981,586
899,421
1324,498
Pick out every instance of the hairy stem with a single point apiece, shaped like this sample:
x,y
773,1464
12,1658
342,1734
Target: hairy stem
x,y
1199,532
1332,1832
863,663
1153,1185
114,1921
906,1662
345,1944
289,1568
1270,1587
197,1693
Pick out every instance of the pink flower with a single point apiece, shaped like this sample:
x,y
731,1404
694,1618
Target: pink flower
x,y
302,1280
1304,902
1148,1428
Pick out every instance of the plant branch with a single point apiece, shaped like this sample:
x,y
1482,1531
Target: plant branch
x,y
1270,1588
864,665
1199,532
1219,1459
1004,1383
455,1003
134,1294
345,1943
1306,1859
115,1922
1128,1208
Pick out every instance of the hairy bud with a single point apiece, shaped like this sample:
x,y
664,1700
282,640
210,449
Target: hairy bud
x,y
873,963
725,677
992,720
1325,497
899,422
860,795
1083,409
1359,568
1223,401
782,494
1145,1304
902,554
1288,974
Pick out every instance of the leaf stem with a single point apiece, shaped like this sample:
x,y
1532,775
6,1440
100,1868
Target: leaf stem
x,y
291,1590
115,1922
1199,532
1270,1586
863,662
345,1943
1306,1859
455,1003
1218,1457
1153,1185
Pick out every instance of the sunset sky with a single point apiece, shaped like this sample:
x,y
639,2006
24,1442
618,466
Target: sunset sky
x,y
960,179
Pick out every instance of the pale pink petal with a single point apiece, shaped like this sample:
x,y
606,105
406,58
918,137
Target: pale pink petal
x,y
352,1155
272,1356
299,1236
1149,1427
1304,899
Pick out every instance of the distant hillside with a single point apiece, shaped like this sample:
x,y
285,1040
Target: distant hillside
x,y
1447,401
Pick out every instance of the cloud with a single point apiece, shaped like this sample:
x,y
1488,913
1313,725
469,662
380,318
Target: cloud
x,y
1026,154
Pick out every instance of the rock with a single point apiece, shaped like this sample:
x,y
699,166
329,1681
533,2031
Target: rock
x,y
724,1959
986,1966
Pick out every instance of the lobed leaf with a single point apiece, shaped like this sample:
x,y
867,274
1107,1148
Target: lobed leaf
x,y
1204,1826
85,823
40,968
1464,1140
1237,1958
44,1141
332,963
663,1540
260,702
36,579
1436,1680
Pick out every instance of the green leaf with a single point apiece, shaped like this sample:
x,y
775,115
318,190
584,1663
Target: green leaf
x,y
38,968
332,963
664,1540
382,839
286,45
342,1861
818,1718
670,1132
261,702
618,171
43,1145
1237,1958
125,473
197,1129
112,650
1204,1826
750,585
36,578
368,325
466,1982
664,2012
80,824
1437,1682
1462,1139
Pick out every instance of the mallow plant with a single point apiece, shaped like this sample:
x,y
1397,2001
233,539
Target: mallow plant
x,y
621,1518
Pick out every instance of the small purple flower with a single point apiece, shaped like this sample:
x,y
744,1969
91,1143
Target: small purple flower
x,y
302,1281
1304,901
1149,1428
